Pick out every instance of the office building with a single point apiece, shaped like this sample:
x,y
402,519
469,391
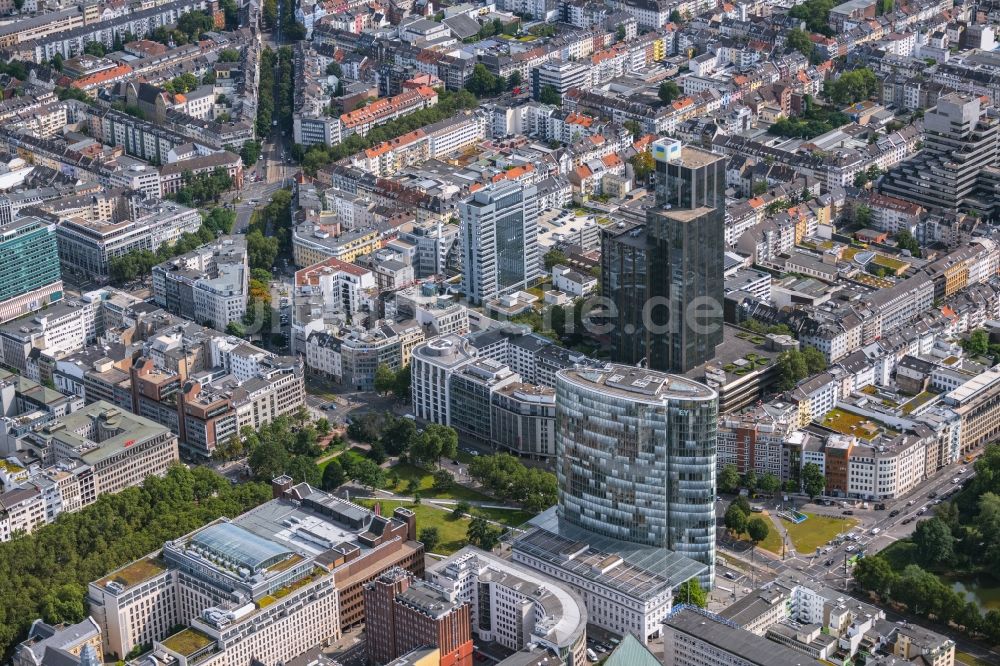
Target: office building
x,y
562,76
665,277
514,605
693,637
627,588
432,366
636,451
957,168
499,234
29,267
402,614
524,420
269,584
209,285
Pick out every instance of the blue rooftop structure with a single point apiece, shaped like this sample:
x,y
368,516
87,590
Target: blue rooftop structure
x,y
240,547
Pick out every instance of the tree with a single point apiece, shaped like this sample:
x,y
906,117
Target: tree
x,y
692,593
303,469
376,453
57,62
229,55
620,33
770,484
554,257
906,241
399,436
815,361
385,379
430,537
482,82
514,80
799,40
642,165
268,460
743,503
261,250
482,534
461,508
758,530
792,368
675,16
729,479
634,127
333,475
735,520
549,95
250,152
94,48
875,574
813,480
668,92
750,481
443,480
935,542
435,442
854,86
367,473
401,383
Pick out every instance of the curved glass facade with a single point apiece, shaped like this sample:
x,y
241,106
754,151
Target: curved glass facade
x,y
636,457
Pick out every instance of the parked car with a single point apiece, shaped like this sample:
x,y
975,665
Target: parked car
x,y
894,513
847,512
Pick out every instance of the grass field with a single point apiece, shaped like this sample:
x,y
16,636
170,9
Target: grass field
x,y
354,453
816,531
425,482
509,517
773,540
451,531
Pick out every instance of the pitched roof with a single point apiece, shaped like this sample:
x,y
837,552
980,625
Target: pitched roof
x,y
630,652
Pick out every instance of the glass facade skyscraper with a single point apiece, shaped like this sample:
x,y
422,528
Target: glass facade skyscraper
x,y
499,234
635,453
665,277
30,277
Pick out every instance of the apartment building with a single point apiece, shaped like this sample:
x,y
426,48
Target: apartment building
x,y
269,584
514,605
65,326
209,285
336,286
361,121
314,243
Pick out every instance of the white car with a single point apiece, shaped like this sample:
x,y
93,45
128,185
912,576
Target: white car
x,y
876,530
956,480
850,549
961,470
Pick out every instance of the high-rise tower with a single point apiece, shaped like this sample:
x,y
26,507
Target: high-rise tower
x,y
665,277
499,237
636,456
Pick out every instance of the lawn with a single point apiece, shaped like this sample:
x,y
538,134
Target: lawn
x,y
509,517
773,540
425,481
451,531
918,401
810,534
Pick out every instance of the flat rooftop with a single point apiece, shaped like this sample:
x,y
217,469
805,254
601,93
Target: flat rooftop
x,y
719,633
637,383
642,572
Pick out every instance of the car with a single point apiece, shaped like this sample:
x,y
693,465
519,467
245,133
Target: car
x,y
829,562
937,501
730,575
961,470
847,512
956,480
876,530
922,510
911,502
907,521
850,549
932,494
894,513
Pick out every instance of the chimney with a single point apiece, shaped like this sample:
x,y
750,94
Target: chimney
x,y
378,508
